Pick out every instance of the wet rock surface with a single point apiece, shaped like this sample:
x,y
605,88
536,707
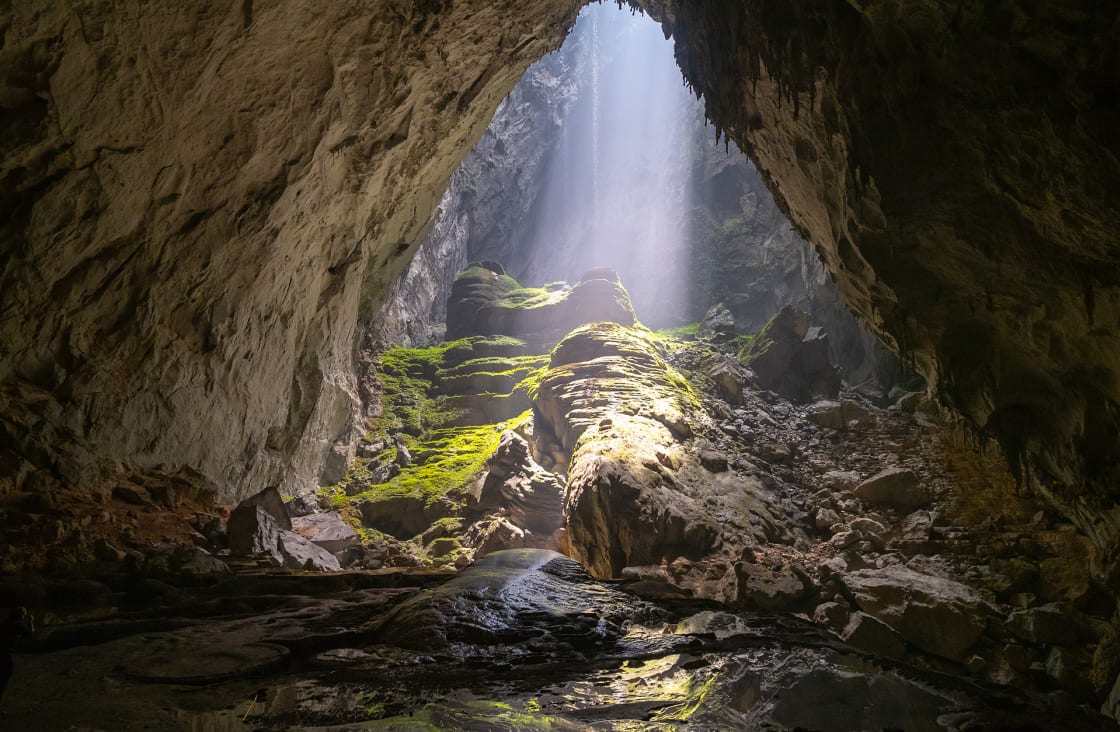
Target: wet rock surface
x,y
522,640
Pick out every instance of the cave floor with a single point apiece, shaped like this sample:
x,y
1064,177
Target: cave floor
x,y
522,640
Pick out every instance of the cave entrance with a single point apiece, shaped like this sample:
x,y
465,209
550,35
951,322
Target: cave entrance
x,y
599,266
603,156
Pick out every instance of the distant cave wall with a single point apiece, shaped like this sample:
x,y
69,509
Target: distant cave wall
x,y
482,214
956,166
740,247
200,204
202,201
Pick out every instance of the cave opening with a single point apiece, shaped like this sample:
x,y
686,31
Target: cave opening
x,y
609,451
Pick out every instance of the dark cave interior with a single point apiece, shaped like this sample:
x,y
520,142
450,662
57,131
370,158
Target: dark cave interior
x,y
445,365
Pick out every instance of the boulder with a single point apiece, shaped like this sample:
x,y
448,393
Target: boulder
x,y
170,559
200,563
727,379
531,496
256,533
1048,624
488,302
872,635
623,504
833,414
790,357
833,615
718,322
268,500
302,505
251,531
769,590
295,552
327,529
938,615
895,488
478,285
826,413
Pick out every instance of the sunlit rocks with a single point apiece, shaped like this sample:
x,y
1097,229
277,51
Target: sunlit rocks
x,y
327,529
486,301
604,369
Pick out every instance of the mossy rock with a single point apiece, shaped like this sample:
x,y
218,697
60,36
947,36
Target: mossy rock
x,y
604,369
476,286
483,302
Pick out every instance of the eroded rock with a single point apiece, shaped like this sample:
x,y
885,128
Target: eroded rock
x,y
937,615
326,529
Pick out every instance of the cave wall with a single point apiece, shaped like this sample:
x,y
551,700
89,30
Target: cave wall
x,y
201,201
955,166
200,204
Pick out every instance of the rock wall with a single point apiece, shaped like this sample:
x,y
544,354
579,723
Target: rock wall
x,y
201,203
952,164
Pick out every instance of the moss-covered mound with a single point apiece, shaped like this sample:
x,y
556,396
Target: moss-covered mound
x,y
444,409
605,369
468,382
486,301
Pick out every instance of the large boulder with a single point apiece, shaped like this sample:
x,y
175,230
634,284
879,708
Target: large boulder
x,y
771,589
938,615
480,284
257,534
603,369
269,501
872,635
790,356
295,552
327,530
896,488
252,531
486,301
625,503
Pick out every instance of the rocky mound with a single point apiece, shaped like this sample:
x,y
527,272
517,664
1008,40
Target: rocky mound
x,y
486,301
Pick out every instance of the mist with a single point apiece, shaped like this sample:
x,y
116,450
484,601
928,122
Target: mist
x,y
616,190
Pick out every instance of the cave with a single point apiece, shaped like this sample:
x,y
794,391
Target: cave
x,y
314,413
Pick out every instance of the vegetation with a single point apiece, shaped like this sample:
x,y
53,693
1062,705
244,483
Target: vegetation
x,y
681,332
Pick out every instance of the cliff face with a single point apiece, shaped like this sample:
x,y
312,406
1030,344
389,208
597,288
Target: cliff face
x,y
201,205
952,165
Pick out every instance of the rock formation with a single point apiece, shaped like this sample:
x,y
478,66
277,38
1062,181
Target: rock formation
x,y
203,208
167,270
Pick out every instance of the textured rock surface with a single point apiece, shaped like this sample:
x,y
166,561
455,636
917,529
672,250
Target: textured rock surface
x,y
790,356
940,253
202,204
486,301
895,487
938,615
326,529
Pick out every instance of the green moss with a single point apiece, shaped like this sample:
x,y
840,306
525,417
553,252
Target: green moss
x,y
743,345
684,332
459,455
